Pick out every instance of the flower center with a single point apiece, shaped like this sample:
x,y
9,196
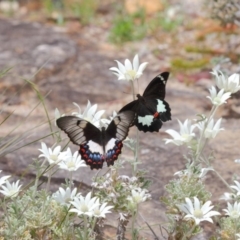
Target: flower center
x,y
97,212
234,214
186,137
217,101
198,213
54,157
131,74
67,199
84,208
71,164
137,198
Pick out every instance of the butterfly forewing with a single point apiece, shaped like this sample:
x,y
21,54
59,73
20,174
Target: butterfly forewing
x,y
120,124
78,130
156,88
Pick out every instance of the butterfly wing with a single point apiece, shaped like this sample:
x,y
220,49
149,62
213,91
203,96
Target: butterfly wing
x,y
78,130
87,136
151,109
116,132
151,114
132,106
157,87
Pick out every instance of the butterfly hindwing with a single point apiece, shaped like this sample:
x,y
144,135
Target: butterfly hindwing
x,y
151,108
93,154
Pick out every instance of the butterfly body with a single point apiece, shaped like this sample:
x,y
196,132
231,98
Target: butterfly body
x,y
98,145
151,108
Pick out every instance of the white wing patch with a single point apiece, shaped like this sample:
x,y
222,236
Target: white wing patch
x,y
160,106
95,147
110,145
146,120
162,78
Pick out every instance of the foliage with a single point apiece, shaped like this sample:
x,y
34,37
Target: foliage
x,y
128,27
179,63
84,10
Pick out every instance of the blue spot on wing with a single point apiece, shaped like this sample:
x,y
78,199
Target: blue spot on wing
x,y
93,159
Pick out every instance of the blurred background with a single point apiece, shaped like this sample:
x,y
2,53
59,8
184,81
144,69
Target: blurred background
x,y
55,52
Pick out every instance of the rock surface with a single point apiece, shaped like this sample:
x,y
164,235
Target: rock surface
x,y
68,68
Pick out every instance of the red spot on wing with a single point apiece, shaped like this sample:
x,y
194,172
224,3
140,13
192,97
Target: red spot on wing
x,y
156,115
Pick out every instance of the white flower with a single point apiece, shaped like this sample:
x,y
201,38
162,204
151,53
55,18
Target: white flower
x,y
138,195
53,156
3,179
105,183
84,205
197,212
185,136
130,71
211,130
89,114
101,211
199,173
233,211
57,115
204,171
237,187
11,190
238,235
71,162
218,98
123,216
104,122
228,196
229,85
65,196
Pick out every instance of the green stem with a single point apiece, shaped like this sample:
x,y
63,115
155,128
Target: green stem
x,y
36,182
49,179
236,228
134,217
133,90
133,229
136,152
85,227
189,233
6,214
222,179
94,223
202,144
70,179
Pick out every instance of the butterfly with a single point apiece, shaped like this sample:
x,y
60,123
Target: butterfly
x,y
98,145
151,108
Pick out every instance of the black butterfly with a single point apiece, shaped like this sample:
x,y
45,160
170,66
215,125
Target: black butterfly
x,y
97,146
150,108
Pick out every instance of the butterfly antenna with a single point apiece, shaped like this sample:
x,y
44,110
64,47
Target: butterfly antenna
x,y
137,86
